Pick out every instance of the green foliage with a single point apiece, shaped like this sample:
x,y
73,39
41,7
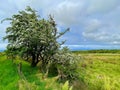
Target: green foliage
x,y
66,64
33,38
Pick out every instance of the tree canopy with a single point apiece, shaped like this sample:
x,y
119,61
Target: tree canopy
x,y
35,40
33,37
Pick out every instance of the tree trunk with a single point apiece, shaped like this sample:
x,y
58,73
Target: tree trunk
x,y
43,66
34,60
47,69
33,64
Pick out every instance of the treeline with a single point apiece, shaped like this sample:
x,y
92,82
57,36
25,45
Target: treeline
x,y
98,51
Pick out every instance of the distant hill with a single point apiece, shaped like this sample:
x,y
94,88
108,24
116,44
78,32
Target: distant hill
x,y
98,51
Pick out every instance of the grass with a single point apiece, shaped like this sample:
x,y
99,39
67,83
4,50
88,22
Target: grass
x,y
100,71
10,80
8,75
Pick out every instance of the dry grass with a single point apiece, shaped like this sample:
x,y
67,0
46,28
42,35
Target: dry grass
x,y
100,71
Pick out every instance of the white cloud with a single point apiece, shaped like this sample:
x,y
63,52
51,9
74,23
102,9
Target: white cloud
x,y
67,12
98,20
109,35
105,27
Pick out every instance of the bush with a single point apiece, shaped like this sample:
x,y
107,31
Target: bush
x,y
66,64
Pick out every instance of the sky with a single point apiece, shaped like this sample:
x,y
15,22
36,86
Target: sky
x,y
94,24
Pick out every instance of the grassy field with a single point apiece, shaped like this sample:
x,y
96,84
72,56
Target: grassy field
x,y
97,71
10,79
100,71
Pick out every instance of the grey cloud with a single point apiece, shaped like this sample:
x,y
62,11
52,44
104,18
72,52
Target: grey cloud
x,y
105,35
102,6
97,20
67,12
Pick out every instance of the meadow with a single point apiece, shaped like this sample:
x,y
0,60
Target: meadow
x,y
97,71
100,71
31,79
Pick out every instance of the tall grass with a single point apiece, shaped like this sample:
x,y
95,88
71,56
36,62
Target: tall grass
x,y
100,72
10,79
96,72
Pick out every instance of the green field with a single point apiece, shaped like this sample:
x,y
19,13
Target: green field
x,y
11,80
100,71
97,71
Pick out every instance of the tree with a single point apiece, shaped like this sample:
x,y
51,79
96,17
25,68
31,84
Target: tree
x,y
29,36
35,39
66,64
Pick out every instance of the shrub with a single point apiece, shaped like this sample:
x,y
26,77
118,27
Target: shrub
x,y
66,64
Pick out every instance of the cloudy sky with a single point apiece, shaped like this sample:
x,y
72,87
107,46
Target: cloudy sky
x,y
94,24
